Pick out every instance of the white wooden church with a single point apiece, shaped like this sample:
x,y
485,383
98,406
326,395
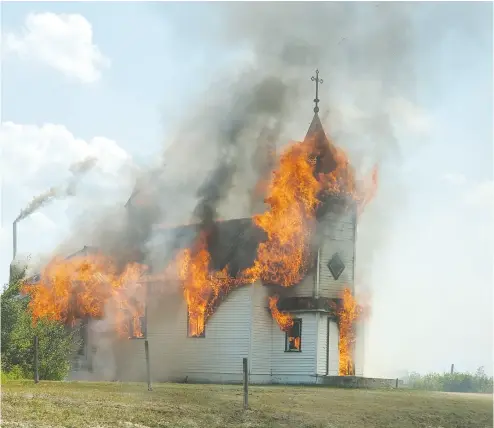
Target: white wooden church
x,y
241,325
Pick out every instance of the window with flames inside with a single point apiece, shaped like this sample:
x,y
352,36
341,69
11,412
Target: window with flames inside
x,y
195,326
136,326
293,340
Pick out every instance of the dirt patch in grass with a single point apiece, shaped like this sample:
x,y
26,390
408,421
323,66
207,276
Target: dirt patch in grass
x,y
102,405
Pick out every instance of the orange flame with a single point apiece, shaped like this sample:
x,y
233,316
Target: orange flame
x,y
292,197
201,286
341,179
348,313
83,286
369,191
283,319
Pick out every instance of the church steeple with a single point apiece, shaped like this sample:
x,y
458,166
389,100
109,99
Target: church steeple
x,y
315,129
325,161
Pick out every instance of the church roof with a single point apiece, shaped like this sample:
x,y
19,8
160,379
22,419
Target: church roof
x,y
324,151
316,128
230,242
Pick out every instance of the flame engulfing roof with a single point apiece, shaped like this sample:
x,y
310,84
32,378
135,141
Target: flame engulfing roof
x,y
326,161
231,243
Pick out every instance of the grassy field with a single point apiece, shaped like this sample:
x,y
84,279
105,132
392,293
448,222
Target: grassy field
x,y
86,405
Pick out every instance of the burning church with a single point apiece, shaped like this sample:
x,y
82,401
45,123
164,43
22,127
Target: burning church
x,y
276,287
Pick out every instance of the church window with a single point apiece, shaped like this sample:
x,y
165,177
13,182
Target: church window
x,y
83,335
195,325
137,327
293,339
336,266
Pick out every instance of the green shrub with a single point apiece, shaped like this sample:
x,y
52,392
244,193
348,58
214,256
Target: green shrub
x,y
55,347
453,382
15,373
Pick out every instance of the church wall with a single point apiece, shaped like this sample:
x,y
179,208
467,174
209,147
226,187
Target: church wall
x,y
241,327
322,343
130,361
217,357
295,366
261,345
359,349
175,356
338,236
304,289
109,358
333,350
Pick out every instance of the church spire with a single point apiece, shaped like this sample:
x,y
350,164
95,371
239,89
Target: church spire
x,y
316,100
315,129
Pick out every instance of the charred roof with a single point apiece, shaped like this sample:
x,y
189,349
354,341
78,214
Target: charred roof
x,y
231,243
325,160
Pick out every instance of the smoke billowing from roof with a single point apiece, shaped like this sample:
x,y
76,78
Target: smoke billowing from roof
x,y
216,153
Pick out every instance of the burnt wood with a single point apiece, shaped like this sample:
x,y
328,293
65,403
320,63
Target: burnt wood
x,y
323,304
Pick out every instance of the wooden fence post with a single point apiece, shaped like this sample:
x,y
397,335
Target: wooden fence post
x,y
36,369
246,384
148,370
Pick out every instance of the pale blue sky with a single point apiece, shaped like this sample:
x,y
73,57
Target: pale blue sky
x,y
440,241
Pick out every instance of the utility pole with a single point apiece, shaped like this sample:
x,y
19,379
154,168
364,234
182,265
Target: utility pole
x,y
36,371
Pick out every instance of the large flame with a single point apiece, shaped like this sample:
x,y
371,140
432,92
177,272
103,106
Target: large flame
x,y
202,287
292,198
283,319
88,286
348,313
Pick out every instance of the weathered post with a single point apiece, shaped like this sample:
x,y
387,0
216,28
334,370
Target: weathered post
x,y
36,372
452,368
396,383
148,370
246,384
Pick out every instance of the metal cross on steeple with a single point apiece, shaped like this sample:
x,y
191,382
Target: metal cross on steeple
x,y
317,80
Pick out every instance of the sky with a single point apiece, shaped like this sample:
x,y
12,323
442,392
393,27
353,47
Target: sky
x,y
109,80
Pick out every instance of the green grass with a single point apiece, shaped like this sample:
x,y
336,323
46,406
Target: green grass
x,y
84,404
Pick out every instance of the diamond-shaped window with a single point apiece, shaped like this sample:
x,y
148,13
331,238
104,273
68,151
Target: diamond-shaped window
x,y
336,266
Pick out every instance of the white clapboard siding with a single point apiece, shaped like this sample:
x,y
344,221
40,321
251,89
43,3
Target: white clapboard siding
x,y
131,360
110,358
359,349
303,289
338,237
333,351
220,352
295,363
322,343
241,327
262,331
339,225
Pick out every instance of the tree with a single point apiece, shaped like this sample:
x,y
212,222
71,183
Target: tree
x,y
453,382
56,342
